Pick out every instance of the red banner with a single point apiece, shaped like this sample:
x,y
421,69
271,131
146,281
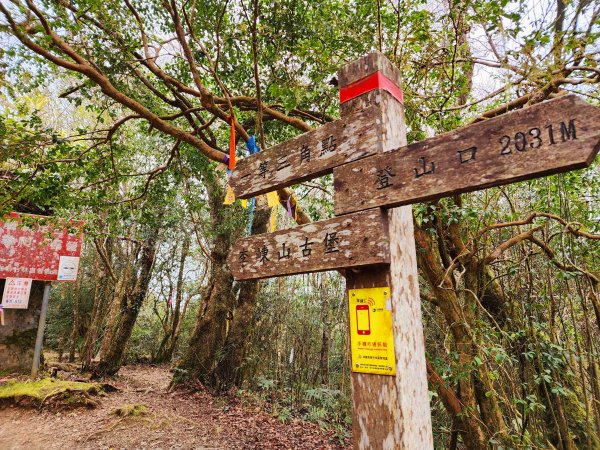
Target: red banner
x,y
374,81
39,248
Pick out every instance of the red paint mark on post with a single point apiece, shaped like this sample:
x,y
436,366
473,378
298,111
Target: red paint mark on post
x,y
30,248
374,81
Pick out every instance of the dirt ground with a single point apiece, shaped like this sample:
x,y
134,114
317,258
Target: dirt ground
x,y
178,420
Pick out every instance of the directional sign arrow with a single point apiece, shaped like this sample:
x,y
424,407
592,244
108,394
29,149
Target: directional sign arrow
x,y
354,240
309,155
554,136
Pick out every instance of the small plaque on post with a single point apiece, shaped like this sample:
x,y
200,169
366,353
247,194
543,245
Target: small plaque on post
x,y
371,333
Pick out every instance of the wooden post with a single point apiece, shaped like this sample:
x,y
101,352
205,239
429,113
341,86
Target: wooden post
x,y
390,412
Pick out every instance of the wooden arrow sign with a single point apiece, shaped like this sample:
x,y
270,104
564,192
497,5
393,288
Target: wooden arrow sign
x,y
309,155
554,136
354,240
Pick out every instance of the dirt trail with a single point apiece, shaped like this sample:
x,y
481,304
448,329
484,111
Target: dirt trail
x,y
174,421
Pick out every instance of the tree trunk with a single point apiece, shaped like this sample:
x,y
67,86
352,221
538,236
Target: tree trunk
x,y
326,335
209,332
456,317
207,344
101,293
118,303
111,360
230,369
75,326
169,340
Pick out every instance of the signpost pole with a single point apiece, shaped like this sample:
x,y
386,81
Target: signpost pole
x,y
40,332
390,412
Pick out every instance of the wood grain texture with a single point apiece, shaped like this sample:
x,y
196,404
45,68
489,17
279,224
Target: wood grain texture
x,y
309,155
391,412
413,428
354,240
554,136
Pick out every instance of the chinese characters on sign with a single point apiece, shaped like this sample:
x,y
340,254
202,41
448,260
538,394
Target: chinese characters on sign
x,y
330,245
303,154
16,293
354,240
30,248
309,155
554,136
371,332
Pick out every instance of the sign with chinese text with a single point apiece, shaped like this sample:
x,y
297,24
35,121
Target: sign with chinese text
x,y
354,240
553,136
309,155
16,293
33,247
371,332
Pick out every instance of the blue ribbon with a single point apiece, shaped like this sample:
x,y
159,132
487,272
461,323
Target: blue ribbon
x,y
251,145
252,149
251,216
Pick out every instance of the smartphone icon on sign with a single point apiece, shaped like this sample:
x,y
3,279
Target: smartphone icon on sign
x,y
363,320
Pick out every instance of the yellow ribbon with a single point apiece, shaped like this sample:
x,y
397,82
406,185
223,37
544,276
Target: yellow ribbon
x,y
274,217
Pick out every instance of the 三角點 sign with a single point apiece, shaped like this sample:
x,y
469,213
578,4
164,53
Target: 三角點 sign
x,y
309,155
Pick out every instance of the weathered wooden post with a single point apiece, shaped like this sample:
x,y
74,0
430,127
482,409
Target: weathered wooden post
x,y
373,168
389,412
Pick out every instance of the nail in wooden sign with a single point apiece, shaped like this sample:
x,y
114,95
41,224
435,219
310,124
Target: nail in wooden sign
x,y
551,137
309,155
353,240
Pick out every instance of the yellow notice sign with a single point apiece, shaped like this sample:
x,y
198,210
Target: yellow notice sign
x,y
371,333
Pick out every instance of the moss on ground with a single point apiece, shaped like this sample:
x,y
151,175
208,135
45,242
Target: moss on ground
x,y
39,391
135,410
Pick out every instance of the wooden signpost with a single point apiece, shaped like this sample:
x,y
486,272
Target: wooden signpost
x,y
309,155
374,167
358,239
554,136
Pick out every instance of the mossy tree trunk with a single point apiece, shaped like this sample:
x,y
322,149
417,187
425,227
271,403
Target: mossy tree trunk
x,y
217,344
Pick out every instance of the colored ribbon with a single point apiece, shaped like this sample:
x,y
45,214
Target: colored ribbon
x,y
374,81
251,145
251,215
252,149
272,199
289,206
274,218
231,159
1,315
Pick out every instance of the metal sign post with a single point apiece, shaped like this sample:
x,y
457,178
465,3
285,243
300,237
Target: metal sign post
x,y
40,332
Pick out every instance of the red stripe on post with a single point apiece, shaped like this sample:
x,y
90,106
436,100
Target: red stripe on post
x,y
374,81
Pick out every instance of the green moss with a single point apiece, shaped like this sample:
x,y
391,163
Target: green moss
x,y
43,389
135,410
